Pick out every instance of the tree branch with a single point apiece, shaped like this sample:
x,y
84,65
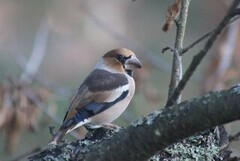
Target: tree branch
x,y
144,138
176,74
198,58
184,50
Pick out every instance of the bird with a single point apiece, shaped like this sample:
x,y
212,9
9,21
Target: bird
x,y
104,94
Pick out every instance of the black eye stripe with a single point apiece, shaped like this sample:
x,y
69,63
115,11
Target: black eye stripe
x,y
127,57
122,58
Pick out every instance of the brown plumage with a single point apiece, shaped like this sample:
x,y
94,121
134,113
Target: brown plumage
x,y
104,94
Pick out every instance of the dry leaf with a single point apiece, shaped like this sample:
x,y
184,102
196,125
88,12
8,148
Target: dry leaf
x,y
17,112
172,14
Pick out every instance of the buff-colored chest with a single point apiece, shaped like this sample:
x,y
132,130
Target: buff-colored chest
x,y
116,110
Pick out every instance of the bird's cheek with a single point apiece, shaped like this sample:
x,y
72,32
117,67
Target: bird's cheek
x,y
129,66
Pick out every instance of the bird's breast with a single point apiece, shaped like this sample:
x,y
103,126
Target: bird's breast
x,y
117,109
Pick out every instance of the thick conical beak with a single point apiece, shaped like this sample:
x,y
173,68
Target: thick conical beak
x,y
132,63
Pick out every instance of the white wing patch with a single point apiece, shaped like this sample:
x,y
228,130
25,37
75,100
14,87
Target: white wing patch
x,y
85,121
117,93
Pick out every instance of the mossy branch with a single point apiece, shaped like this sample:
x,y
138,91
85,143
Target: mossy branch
x,y
146,137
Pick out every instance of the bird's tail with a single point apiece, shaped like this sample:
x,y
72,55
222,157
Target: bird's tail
x,y
57,137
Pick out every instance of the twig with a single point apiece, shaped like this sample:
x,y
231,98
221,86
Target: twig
x,y
167,48
198,58
184,50
214,79
176,73
37,55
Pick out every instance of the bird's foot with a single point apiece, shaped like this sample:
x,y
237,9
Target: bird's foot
x,y
111,126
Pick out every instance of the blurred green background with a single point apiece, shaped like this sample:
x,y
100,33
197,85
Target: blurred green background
x,y
81,31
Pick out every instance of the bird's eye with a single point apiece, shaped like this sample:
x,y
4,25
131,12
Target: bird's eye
x,y
120,58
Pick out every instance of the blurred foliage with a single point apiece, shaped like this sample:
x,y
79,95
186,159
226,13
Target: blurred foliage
x,y
17,112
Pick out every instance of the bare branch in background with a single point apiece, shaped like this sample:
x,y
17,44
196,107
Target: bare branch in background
x,y
21,60
32,67
184,50
232,12
31,70
37,55
222,60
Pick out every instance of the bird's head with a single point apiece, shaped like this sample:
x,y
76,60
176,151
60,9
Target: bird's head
x,y
121,60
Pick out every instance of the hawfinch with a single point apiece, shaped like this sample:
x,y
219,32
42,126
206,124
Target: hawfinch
x,y
104,94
